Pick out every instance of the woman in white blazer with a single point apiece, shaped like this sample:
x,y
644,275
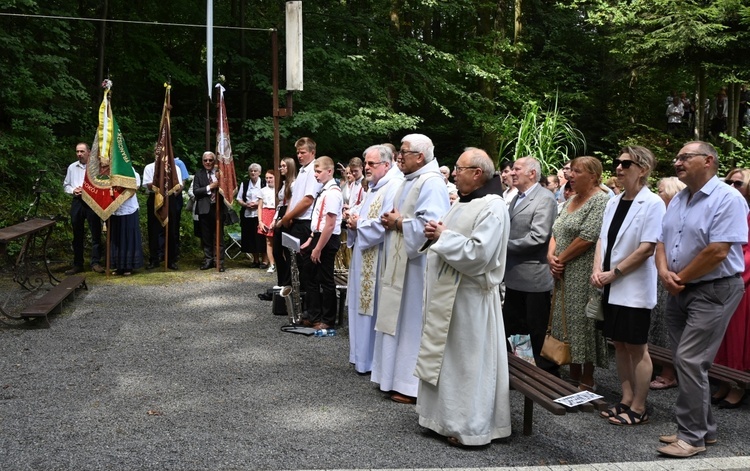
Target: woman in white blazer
x,y
625,271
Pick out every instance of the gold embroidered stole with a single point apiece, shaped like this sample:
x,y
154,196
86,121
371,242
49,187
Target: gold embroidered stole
x,y
369,263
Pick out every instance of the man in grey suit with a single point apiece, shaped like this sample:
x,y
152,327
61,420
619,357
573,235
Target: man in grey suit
x,y
528,281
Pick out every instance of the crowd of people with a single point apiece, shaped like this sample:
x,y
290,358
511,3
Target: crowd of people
x,y
438,282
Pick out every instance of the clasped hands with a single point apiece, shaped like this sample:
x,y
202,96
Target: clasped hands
x,y
556,266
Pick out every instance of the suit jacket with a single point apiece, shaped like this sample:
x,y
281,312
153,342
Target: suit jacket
x,y
531,222
642,224
202,195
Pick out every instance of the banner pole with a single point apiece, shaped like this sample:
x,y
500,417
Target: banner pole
x,y
166,232
217,256
106,226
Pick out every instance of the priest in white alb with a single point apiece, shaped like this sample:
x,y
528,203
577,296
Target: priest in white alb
x,y
365,237
421,197
462,363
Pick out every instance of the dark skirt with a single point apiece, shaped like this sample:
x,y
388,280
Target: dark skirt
x,y
626,324
126,244
252,242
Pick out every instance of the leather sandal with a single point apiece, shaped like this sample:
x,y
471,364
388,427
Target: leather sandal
x,y
630,418
613,411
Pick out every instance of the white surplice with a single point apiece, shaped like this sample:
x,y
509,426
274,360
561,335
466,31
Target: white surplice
x,y
366,242
463,364
397,343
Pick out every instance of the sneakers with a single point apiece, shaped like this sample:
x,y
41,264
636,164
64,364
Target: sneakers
x,y
681,449
97,268
271,269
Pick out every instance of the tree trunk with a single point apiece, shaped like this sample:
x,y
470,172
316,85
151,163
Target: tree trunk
x,y
489,21
517,32
243,70
700,107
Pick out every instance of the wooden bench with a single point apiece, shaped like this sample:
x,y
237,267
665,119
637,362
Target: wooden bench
x,y
341,277
663,356
542,388
54,297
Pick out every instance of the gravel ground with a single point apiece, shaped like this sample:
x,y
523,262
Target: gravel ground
x,y
189,370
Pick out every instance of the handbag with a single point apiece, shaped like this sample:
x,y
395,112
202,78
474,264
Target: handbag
x,y
594,309
554,350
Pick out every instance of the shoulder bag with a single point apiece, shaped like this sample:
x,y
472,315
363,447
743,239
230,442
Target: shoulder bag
x,y
554,350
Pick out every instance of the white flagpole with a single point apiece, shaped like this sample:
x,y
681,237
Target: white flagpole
x,y
209,45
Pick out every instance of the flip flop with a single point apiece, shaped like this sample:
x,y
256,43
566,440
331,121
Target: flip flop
x,y
614,411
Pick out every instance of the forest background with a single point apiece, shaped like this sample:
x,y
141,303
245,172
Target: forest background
x,y
464,72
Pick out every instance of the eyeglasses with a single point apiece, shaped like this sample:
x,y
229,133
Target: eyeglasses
x,y
625,163
735,183
404,152
687,156
208,160
458,169
374,164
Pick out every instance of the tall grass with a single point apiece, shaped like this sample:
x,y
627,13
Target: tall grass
x,y
548,136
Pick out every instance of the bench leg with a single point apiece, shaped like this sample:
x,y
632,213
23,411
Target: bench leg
x,y
528,415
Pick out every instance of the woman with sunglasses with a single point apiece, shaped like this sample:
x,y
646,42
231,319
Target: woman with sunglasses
x,y
625,271
734,351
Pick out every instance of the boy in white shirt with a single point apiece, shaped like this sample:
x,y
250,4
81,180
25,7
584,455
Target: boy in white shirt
x,y
319,251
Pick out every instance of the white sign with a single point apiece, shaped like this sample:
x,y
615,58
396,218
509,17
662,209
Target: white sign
x,y
578,398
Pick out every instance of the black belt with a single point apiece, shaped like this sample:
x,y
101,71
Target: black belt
x,y
705,282
301,220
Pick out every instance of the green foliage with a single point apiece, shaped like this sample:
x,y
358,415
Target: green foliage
x,y
738,157
548,136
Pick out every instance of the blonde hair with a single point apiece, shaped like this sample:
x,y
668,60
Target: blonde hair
x,y
671,186
324,162
745,178
589,164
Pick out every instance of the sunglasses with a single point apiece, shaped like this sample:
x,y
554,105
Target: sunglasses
x,y
735,183
625,163
208,160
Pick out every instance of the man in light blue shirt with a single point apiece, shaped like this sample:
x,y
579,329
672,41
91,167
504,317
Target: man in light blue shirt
x,y
699,258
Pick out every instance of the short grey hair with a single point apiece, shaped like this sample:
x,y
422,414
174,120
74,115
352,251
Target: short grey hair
x,y
384,152
255,166
706,148
479,158
530,163
422,144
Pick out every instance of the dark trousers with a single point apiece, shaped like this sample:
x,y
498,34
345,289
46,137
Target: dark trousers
x,y
154,229
320,287
208,236
281,257
79,214
252,242
528,313
300,229
156,232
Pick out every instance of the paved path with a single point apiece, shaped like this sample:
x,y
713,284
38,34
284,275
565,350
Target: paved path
x,y
191,371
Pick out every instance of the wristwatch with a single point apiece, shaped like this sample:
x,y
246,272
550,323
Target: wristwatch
x,y
618,273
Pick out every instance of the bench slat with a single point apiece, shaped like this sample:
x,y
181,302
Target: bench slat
x,y
50,300
663,356
562,387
